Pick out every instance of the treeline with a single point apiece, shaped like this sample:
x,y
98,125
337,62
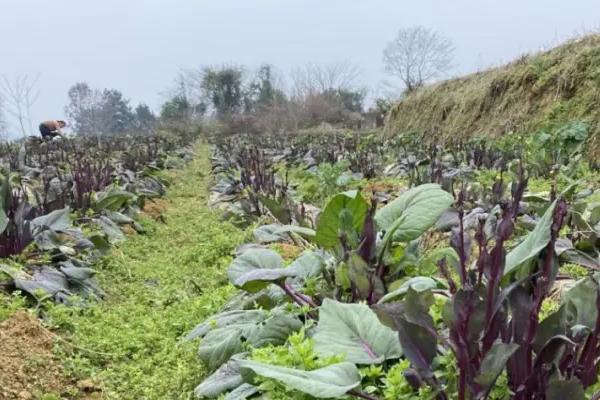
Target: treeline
x,y
241,100
238,99
233,99
97,112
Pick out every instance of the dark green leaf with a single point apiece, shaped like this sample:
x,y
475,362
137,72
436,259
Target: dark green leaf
x,y
358,272
242,392
114,199
533,243
354,330
227,377
256,269
562,389
279,211
418,283
327,382
414,211
225,334
582,299
3,220
57,221
308,265
112,230
494,362
330,220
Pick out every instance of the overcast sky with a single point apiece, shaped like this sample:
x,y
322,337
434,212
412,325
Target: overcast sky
x,y
138,46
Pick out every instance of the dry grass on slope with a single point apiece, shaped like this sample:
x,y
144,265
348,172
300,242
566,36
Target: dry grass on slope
x,y
534,92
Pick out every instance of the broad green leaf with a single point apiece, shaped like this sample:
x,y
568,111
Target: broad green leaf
x,y
3,221
114,199
101,244
256,269
358,272
112,230
57,221
341,275
308,265
220,344
327,382
242,392
265,299
494,362
119,218
276,232
227,377
47,240
414,325
4,193
225,334
559,389
267,234
533,243
300,230
418,283
78,273
431,259
581,301
330,220
354,330
275,330
419,208
551,326
226,319
278,210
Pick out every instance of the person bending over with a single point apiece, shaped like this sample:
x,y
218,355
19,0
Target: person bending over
x,y
51,129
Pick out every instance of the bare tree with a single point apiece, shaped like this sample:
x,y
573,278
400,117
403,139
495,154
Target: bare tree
x,y
187,87
188,84
314,78
83,108
20,95
418,55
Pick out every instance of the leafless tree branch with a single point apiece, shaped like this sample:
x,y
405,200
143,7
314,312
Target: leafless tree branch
x,y
418,55
314,78
20,94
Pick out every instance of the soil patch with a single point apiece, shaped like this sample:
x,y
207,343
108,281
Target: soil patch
x,y
287,251
28,367
155,208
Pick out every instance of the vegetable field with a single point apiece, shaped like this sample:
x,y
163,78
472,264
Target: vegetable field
x,y
323,264
64,203
465,269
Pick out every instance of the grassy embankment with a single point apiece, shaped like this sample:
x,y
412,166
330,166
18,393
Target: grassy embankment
x,y
538,91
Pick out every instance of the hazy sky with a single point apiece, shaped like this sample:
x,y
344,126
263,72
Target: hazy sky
x,y
138,46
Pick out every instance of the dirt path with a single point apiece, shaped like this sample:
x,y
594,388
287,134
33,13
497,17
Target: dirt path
x,y
160,285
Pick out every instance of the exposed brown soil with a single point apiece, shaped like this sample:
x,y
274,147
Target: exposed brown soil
x,y
386,187
28,367
288,251
155,208
128,230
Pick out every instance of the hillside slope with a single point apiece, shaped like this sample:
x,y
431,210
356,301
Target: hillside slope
x,y
535,92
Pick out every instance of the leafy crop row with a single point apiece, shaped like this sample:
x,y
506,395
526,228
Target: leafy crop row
x,y
64,203
439,290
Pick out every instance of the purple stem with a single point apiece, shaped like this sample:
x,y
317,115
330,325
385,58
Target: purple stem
x,y
299,298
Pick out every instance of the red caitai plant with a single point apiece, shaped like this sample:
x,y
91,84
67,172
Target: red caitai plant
x,y
492,318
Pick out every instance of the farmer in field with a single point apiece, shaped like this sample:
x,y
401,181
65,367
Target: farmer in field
x,y
51,129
